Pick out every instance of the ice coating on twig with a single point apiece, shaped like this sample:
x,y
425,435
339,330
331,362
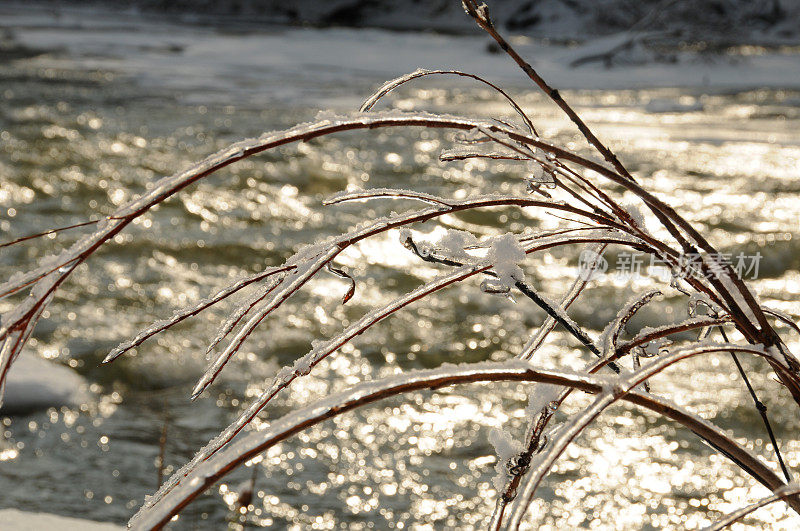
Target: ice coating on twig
x,y
421,72
455,243
610,335
381,193
241,312
289,284
612,388
320,350
475,152
55,269
569,297
167,186
150,511
504,252
287,374
189,311
185,484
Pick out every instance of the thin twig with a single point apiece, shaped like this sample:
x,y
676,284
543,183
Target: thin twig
x,y
47,233
162,447
760,407
526,290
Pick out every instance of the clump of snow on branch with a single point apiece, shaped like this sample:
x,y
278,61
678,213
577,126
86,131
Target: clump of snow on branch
x,y
505,254
541,396
455,242
506,449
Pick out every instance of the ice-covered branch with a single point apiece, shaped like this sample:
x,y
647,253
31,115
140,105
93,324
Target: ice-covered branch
x,y
158,510
614,388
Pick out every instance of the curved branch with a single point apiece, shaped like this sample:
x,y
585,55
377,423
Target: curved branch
x,y
329,250
780,494
155,515
170,185
650,335
613,391
611,333
304,365
394,83
54,270
190,311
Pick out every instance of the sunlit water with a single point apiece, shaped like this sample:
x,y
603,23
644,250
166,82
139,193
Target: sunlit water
x,y
83,130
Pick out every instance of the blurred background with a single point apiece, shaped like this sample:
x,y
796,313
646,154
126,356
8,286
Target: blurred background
x,y
701,100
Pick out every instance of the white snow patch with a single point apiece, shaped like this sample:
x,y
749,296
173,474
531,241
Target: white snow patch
x,y
506,448
34,384
26,521
505,253
456,241
540,397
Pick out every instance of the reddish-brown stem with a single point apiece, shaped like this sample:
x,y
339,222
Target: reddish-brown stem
x,y
156,516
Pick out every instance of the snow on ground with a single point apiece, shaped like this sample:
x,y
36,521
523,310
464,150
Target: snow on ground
x,y
25,521
250,65
34,384
771,21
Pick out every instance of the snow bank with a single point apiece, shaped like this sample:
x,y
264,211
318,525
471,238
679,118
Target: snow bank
x,y
731,20
205,66
25,521
34,384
